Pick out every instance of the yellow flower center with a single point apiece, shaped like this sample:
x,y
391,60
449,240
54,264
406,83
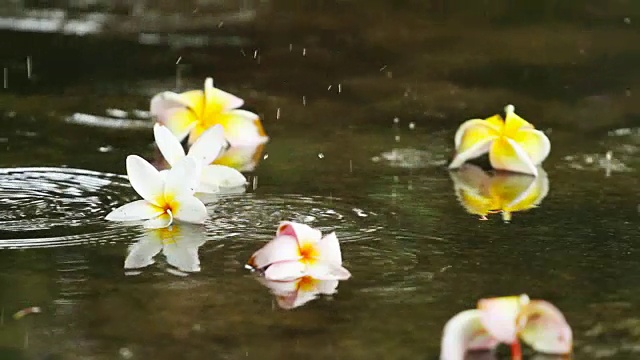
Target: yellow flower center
x,y
308,252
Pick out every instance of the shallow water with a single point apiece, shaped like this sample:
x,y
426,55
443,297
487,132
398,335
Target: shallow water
x,y
361,103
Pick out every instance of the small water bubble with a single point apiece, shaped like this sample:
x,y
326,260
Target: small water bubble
x,y
320,155
104,149
627,20
396,120
412,125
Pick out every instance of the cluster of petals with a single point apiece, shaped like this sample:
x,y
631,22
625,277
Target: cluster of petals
x,y
298,251
191,113
537,323
513,143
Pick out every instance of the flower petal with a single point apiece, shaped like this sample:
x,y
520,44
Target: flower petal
x,y
180,121
168,144
163,105
534,142
208,146
303,233
480,129
242,128
182,179
506,154
464,332
222,176
159,222
324,271
142,252
145,179
282,248
285,271
479,148
513,122
499,316
242,158
137,210
546,330
194,100
217,100
190,209
329,250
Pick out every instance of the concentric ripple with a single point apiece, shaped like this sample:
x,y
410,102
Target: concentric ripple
x,y
45,207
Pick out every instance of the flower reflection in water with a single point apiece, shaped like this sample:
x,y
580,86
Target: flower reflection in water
x,y
179,243
242,158
483,193
292,294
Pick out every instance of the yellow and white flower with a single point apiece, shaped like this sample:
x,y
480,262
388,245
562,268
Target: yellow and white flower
x,y
193,112
164,197
513,144
503,320
203,151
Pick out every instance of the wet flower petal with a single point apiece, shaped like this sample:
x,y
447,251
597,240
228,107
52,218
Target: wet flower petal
x,y
301,232
168,144
181,122
535,143
159,222
281,249
513,122
137,210
222,176
325,271
465,332
499,316
242,128
217,100
476,129
506,154
546,329
329,250
182,180
285,271
242,158
479,148
208,146
190,209
145,179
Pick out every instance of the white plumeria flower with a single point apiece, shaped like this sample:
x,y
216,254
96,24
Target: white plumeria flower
x,y
164,197
179,243
203,151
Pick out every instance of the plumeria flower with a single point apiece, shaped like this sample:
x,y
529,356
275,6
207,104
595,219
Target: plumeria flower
x,y
193,112
482,194
203,151
297,251
295,293
242,158
164,197
179,243
513,144
503,320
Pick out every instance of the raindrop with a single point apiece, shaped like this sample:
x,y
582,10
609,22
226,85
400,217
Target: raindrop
x,y
104,149
125,353
627,20
28,67
397,138
278,114
396,120
320,155
6,78
255,54
304,100
339,88
304,51
178,61
412,125
265,157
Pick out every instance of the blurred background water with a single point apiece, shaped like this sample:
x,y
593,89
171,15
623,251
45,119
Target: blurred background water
x,y
361,100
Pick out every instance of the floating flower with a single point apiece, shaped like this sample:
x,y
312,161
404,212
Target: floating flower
x,y
193,112
481,193
242,158
179,243
503,320
513,144
295,293
297,251
165,197
203,151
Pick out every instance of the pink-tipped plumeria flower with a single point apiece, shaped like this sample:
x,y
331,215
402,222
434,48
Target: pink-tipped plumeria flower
x,y
193,112
164,197
297,251
513,144
503,320
203,151
295,293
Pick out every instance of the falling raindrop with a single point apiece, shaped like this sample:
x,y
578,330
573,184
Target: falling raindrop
x,y
278,114
397,138
265,157
304,51
29,67
304,100
396,120
412,125
320,155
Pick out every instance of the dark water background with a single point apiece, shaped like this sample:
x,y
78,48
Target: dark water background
x,y
338,73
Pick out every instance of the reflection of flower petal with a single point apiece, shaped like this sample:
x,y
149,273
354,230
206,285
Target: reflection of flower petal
x,y
159,222
142,252
471,186
499,316
182,253
464,332
295,293
546,329
506,154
